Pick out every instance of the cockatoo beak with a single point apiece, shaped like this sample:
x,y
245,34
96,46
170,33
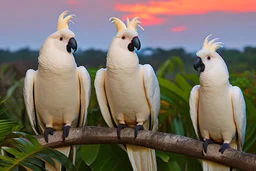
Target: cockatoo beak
x,y
198,63
134,43
72,44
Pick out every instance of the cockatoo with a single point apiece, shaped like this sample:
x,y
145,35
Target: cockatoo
x,y
57,94
217,109
128,93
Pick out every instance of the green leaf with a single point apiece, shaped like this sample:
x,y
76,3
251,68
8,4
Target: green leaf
x,y
111,157
171,67
83,167
6,127
162,166
162,117
173,88
31,166
194,79
183,84
179,63
61,158
36,161
12,151
12,89
45,158
163,68
162,155
174,166
178,126
192,164
89,153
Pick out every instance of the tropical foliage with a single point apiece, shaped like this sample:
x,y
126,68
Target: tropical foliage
x,y
176,80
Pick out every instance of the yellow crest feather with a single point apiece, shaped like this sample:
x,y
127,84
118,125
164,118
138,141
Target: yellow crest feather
x,y
63,21
134,23
119,24
212,45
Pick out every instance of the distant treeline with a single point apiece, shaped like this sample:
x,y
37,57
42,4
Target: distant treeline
x,y
237,60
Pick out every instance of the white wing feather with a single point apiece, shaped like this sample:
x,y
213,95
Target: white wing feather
x,y
99,85
152,93
28,92
85,90
194,104
239,109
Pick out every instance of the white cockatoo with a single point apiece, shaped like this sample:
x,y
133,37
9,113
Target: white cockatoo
x,y
128,93
57,94
217,109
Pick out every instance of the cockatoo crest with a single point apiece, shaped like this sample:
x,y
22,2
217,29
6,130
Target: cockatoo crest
x,y
134,23
212,45
63,21
131,25
62,40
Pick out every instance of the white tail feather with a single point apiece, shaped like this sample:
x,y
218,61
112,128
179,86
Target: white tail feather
x,y
141,158
211,166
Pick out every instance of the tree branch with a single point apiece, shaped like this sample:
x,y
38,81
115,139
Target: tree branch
x,y
156,140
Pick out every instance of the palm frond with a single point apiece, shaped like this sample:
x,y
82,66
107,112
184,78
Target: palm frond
x,y
2,109
8,126
23,150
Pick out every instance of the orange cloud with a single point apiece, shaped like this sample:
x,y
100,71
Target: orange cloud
x,y
154,8
146,19
178,29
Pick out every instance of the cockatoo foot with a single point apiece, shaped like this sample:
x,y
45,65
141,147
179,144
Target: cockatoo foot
x,y
119,128
65,130
223,147
48,131
206,143
136,130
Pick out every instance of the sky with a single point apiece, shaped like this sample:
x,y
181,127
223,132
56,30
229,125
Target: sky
x,y
167,23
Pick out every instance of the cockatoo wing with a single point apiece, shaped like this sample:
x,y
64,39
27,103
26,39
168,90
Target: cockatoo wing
x,y
28,92
239,109
85,93
99,85
194,104
152,93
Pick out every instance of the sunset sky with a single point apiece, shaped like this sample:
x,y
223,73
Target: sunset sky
x,y
167,23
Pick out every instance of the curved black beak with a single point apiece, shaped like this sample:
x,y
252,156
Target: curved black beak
x,y
72,44
198,63
134,43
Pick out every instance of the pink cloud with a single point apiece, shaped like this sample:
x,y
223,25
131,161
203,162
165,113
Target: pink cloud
x,y
72,2
178,29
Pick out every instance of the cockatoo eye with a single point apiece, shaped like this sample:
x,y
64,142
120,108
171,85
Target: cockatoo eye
x,y
208,57
61,38
123,37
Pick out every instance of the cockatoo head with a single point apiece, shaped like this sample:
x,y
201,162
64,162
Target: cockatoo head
x,y
127,36
63,39
121,50
210,63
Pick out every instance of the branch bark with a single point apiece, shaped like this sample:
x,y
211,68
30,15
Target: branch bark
x,y
156,140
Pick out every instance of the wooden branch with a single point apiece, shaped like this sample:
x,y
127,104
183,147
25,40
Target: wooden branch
x,y
156,140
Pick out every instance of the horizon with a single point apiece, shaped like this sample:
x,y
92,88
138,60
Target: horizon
x,y
145,48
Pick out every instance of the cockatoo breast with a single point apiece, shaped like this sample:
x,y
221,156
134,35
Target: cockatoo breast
x,y
57,89
215,113
126,94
